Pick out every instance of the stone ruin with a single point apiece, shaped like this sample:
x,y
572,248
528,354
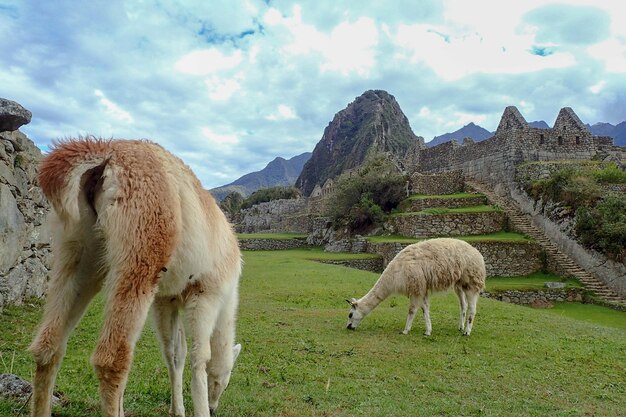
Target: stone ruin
x,y
24,242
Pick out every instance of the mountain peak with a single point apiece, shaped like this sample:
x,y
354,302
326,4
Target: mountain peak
x,y
470,130
279,172
372,124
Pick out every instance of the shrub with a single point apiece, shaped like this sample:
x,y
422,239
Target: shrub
x,y
269,194
603,227
611,174
231,204
362,200
572,188
600,222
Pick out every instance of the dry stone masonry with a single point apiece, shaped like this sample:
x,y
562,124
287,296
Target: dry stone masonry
x,y
24,241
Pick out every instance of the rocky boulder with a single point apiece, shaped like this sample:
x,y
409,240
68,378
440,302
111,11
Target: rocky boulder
x,y
12,115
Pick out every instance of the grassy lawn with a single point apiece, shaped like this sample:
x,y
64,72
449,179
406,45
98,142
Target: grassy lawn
x,y
492,237
299,360
529,282
277,236
441,196
442,210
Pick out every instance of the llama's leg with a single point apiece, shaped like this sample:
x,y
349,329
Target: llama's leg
x,y
413,306
171,334
426,310
72,287
128,301
202,313
137,218
223,354
472,299
463,307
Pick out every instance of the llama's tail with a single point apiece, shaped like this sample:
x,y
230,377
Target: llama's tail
x,y
69,175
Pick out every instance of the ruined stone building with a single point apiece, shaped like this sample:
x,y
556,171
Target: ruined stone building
x,y
494,160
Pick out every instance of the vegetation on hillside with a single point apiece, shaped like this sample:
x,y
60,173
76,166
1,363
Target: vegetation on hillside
x,y
600,215
232,203
373,124
362,200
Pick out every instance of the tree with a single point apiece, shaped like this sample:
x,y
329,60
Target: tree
x,y
231,204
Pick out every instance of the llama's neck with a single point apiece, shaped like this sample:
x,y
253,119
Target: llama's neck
x,y
379,292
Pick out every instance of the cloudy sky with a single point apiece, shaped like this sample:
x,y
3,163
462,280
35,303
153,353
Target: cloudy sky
x,y
228,85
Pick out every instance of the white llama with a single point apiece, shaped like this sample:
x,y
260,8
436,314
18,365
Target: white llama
x,y
133,220
424,267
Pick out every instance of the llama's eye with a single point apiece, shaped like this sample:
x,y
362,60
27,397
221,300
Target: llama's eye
x,y
350,315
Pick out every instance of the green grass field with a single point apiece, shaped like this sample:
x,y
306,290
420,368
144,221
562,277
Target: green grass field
x,y
459,210
529,282
492,237
443,196
299,360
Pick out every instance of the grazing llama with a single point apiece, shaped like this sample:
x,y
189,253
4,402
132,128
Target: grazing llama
x,y
133,220
424,267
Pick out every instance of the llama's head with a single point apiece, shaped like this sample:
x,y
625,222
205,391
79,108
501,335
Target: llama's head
x,y
219,377
355,316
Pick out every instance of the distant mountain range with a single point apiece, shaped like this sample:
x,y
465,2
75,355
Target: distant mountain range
x,y
279,172
618,133
475,132
468,131
373,123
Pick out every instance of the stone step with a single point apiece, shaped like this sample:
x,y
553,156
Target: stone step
x,y
523,223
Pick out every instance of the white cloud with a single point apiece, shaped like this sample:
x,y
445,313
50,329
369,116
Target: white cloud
x,y
221,89
113,109
612,53
453,57
283,112
351,47
208,61
597,87
219,139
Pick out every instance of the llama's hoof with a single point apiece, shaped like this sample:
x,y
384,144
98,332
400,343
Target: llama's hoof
x,y
466,334
426,334
404,332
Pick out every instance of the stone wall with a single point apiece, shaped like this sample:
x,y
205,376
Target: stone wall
x,y
504,259
448,224
24,241
540,298
533,171
435,184
419,204
373,265
510,259
272,244
274,216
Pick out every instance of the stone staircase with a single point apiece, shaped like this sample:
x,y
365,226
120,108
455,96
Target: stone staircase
x,y
523,223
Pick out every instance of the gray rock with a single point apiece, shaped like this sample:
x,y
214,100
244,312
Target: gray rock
x,y
14,284
6,175
12,115
37,283
12,229
14,387
554,284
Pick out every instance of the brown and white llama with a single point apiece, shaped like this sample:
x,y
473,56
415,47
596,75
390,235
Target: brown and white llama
x,y
131,219
422,268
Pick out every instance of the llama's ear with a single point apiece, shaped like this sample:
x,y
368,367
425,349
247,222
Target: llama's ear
x,y
236,351
352,302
